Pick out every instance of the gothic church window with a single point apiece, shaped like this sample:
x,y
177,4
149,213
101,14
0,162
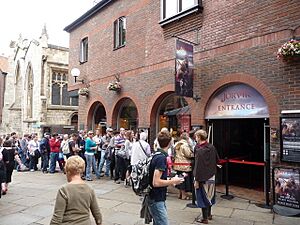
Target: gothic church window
x,y
59,91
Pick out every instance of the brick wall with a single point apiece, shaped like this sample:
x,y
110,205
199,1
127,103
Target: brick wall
x,y
238,41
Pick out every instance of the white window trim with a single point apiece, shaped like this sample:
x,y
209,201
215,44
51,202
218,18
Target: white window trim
x,y
83,49
183,13
117,32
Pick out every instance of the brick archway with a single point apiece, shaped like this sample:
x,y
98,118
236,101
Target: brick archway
x,y
250,80
113,116
93,102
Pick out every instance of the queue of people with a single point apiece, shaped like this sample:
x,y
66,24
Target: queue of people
x,y
190,161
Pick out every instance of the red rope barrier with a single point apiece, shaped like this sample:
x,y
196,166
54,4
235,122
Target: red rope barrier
x,y
247,162
181,164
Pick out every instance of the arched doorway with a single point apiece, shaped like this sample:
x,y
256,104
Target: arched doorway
x,y
97,117
128,115
238,119
174,113
74,121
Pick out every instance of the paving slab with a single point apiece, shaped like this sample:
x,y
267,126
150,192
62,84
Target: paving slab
x,y
221,211
19,218
252,216
235,204
131,208
283,220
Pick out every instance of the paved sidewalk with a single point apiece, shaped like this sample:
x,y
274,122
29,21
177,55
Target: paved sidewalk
x,y
31,200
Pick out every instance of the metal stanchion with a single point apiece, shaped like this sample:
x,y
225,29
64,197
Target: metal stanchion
x,y
227,195
193,204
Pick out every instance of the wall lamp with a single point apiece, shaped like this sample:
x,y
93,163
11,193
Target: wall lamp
x,y
75,72
196,98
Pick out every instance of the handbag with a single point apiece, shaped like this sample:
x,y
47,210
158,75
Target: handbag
x,y
121,152
37,153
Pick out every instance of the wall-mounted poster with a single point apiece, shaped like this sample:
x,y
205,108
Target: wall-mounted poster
x,y
290,139
184,69
287,187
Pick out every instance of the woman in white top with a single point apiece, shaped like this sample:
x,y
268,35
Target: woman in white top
x,y
128,149
33,145
140,149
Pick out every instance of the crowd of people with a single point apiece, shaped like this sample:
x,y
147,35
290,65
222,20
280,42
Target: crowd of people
x,y
190,161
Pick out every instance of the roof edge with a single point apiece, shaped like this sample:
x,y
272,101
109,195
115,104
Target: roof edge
x,y
87,15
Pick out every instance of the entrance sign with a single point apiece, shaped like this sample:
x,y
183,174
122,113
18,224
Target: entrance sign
x,y
184,69
237,101
290,139
287,187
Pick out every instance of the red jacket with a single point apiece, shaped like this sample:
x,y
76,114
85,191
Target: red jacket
x,y
54,145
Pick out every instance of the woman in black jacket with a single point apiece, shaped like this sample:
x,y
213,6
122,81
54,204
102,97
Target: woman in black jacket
x,y
8,153
2,169
206,159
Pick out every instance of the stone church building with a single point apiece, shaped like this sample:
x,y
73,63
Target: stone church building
x,y
36,97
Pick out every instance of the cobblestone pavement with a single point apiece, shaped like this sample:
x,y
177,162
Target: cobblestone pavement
x,y
31,199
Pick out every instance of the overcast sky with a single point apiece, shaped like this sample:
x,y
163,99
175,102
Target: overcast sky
x,y
29,16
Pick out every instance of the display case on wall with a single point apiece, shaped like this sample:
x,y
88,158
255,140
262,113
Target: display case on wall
x,y
290,138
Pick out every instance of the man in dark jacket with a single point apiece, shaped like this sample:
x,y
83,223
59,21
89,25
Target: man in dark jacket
x,y
206,159
45,152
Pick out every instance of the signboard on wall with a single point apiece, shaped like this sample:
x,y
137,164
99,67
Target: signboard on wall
x,y
287,187
237,101
290,139
185,123
184,69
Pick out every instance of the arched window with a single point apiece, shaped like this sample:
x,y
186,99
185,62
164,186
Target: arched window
x,y
59,90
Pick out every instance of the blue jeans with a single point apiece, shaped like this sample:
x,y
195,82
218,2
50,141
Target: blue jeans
x,y
45,161
158,211
102,160
53,160
91,162
107,167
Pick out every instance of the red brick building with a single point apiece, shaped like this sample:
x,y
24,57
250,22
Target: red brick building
x,y
3,72
235,47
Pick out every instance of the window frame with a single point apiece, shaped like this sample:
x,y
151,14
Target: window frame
x,y
119,41
84,50
180,12
62,82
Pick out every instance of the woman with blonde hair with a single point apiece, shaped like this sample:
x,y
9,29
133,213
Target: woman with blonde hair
x,y
75,200
183,165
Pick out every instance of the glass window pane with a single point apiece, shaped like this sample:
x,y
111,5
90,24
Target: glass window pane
x,y
116,36
74,101
58,76
186,4
171,8
65,95
123,31
55,94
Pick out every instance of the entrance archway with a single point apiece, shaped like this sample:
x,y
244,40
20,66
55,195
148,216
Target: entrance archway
x,y
171,111
74,121
127,115
97,117
238,119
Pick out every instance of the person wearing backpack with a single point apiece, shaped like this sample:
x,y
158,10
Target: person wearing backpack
x,y
158,180
140,149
